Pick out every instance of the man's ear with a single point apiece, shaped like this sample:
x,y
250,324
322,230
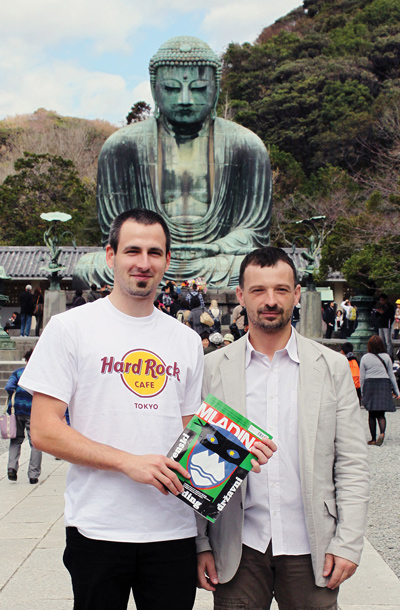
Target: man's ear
x,y
297,294
239,294
110,256
168,257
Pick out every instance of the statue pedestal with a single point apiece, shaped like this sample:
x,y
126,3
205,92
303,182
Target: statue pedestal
x,y
55,301
310,324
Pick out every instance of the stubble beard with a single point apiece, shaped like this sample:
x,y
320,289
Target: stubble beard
x,y
274,326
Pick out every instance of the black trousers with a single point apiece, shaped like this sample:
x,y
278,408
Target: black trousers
x,y
161,575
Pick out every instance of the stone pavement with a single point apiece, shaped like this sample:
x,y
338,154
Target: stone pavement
x,y
32,575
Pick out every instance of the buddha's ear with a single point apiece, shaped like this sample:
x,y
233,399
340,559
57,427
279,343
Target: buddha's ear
x,y
157,112
213,112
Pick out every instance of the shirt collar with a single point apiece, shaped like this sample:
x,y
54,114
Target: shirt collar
x,y
290,348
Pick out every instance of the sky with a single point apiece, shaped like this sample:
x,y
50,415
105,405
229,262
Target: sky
x,y
89,58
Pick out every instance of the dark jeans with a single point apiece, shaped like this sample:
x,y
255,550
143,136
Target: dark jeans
x,y
162,575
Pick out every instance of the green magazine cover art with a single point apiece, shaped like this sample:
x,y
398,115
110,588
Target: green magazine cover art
x,y
215,449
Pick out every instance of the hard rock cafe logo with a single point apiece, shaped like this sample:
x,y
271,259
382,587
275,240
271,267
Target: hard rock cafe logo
x,y
143,372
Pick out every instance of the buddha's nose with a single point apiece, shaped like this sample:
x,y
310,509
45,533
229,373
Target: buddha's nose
x,y
186,95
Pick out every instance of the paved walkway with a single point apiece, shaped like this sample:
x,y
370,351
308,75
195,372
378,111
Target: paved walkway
x,y
32,576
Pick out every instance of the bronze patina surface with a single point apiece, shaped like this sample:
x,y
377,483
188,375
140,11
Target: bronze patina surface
x,y
208,177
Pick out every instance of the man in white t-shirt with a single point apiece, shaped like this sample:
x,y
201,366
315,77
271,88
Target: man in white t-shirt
x,y
131,377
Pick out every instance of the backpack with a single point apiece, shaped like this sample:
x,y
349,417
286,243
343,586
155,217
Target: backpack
x,y
352,315
355,372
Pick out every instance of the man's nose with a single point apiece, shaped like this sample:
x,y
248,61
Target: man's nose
x,y
270,298
143,261
186,95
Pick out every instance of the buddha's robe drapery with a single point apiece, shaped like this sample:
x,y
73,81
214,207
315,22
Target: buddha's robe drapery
x,y
238,216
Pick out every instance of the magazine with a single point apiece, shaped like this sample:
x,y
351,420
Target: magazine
x,y
215,449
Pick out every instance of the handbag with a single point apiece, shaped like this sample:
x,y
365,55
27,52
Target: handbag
x,y
8,423
38,311
206,319
386,368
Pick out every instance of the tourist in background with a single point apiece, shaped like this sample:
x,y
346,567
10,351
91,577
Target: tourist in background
x,y
377,381
216,342
238,318
347,350
296,315
14,322
350,322
184,312
94,294
228,339
396,324
38,310
338,320
195,314
27,306
216,314
329,317
385,321
22,406
205,339
78,298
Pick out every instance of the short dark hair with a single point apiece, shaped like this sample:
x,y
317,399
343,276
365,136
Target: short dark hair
x,y
194,302
141,216
375,345
347,347
28,354
383,296
93,287
268,256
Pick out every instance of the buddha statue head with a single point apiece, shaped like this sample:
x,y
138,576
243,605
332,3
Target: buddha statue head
x,y
185,76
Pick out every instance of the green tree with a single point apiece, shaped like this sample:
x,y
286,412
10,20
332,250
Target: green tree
x,y
46,183
139,112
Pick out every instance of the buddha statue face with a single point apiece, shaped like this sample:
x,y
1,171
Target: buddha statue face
x,y
185,94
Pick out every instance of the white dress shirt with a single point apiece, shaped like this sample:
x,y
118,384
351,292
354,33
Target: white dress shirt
x,y
273,506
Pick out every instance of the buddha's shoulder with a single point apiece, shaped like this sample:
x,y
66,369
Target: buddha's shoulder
x,y
240,134
132,133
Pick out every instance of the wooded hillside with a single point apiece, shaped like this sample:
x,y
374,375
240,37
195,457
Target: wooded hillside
x,y
49,163
321,87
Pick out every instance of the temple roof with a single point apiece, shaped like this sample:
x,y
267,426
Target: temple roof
x,y
25,262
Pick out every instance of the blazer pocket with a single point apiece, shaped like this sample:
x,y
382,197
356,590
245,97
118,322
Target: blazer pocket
x,y
331,507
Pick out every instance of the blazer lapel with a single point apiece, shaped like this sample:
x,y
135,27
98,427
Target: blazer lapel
x,y
311,382
233,377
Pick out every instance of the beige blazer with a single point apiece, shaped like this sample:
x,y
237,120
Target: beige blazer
x,y
332,452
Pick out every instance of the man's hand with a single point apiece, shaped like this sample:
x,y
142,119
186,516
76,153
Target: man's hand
x,y
338,569
263,450
206,572
156,470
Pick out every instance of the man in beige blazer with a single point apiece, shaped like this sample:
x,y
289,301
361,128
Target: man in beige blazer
x,y
297,534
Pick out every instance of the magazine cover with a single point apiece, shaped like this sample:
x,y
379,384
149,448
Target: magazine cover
x,y
215,449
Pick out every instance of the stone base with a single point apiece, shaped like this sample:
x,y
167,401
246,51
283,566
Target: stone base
x,y
54,302
5,342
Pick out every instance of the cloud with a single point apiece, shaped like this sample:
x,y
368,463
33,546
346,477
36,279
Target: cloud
x,y
231,21
77,58
67,89
142,92
50,22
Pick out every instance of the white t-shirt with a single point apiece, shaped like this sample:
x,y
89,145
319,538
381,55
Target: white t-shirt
x,y
128,382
